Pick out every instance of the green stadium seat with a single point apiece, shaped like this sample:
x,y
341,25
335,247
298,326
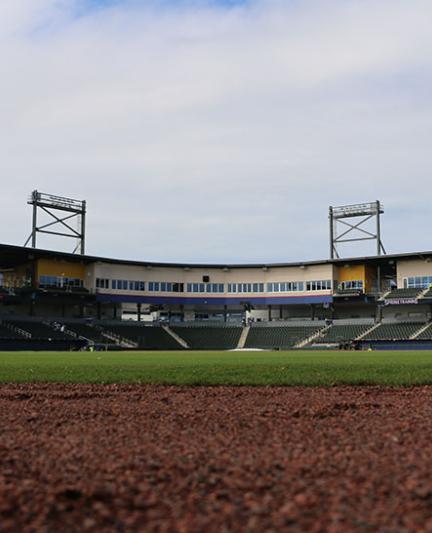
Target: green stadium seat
x,y
39,330
209,337
404,293
426,334
342,333
147,337
278,337
396,331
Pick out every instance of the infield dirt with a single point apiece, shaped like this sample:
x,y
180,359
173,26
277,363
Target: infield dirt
x,y
154,458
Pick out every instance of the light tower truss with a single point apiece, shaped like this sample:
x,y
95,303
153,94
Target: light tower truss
x,y
62,211
342,231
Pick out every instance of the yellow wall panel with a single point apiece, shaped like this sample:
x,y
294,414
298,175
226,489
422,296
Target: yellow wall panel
x,y
358,272
351,273
48,267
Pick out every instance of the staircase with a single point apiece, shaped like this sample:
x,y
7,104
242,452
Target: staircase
x,y
384,296
243,338
420,331
308,340
421,295
17,330
120,341
373,328
174,335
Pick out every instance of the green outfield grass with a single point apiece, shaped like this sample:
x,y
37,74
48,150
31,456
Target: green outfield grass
x,y
219,368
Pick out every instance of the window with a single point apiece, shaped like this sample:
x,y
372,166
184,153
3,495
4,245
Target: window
x,y
205,287
354,284
285,286
61,282
153,286
136,286
245,287
214,287
167,286
418,282
320,285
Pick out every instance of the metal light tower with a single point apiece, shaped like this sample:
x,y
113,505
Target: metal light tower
x,y
51,204
361,212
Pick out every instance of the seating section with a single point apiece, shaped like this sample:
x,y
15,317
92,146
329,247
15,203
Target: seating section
x,y
39,330
209,338
404,293
268,338
426,335
86,331
401,331
200,336
341,333
6,333
147,337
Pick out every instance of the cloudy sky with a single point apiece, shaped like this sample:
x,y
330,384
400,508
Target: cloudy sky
x,y
217,130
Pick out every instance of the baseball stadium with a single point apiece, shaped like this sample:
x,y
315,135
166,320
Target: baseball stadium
x,y
153,396
52,300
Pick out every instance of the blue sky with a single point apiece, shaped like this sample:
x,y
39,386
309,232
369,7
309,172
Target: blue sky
x,y
100,4
198,132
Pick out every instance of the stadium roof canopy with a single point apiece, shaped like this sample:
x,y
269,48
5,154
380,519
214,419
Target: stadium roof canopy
x,y
11,255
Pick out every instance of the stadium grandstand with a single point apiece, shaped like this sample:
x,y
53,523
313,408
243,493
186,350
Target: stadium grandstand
x,y
57,300
52,299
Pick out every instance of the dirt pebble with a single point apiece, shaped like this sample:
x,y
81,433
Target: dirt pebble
x,y
134,458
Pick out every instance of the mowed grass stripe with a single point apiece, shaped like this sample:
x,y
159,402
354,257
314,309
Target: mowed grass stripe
x,y
395,368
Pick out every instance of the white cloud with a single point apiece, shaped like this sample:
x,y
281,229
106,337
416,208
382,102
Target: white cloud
x,y
207,133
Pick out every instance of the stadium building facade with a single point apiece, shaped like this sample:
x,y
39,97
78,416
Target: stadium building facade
x,y
54,300
47,283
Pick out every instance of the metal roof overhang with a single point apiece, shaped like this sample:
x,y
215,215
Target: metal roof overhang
x,y
11,256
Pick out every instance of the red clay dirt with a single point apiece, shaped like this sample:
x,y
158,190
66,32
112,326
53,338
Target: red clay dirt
x,y
135,458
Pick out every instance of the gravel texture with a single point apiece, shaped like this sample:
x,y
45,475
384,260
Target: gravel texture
x,y
153,458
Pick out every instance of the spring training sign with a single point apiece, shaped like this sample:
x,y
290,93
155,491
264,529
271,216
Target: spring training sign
x,y
400,301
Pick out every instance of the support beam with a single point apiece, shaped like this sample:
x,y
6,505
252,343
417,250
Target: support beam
x,y
56,207
355,231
